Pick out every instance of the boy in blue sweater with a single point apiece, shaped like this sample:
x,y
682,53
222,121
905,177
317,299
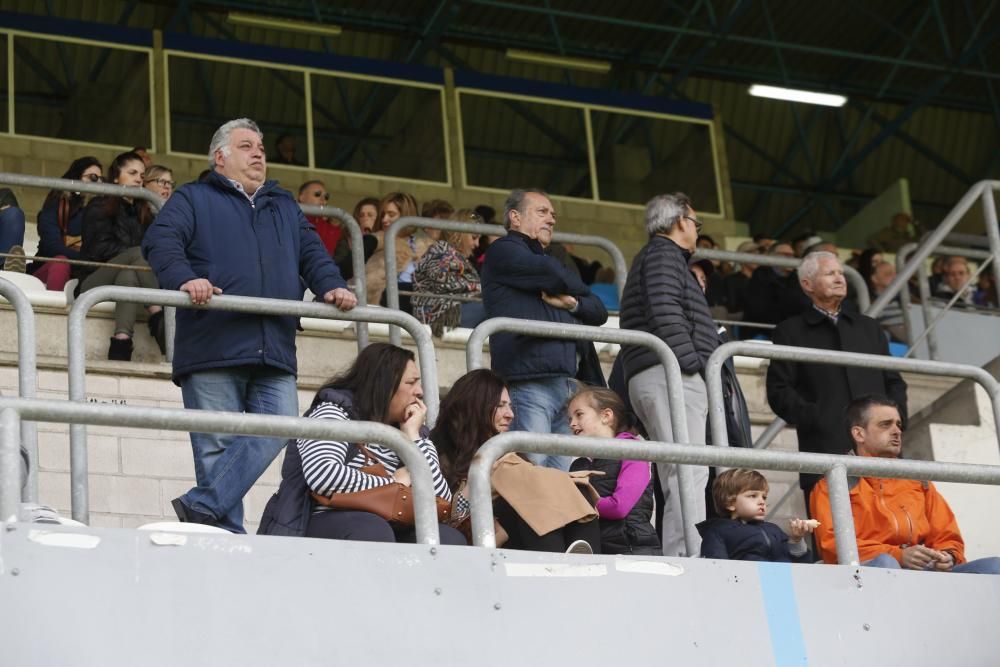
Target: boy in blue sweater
x,y
742,495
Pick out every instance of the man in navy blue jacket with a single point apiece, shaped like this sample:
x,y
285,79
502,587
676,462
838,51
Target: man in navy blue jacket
x,y
521,281
240,234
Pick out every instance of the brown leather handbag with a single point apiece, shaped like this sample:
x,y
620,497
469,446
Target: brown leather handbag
x,y
393,502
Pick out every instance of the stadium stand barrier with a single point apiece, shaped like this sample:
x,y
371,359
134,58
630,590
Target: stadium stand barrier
x,y
983,191
672,370
357,256
69,185
716,403
392,271
77,362
27,377
924,291
12,411
836,469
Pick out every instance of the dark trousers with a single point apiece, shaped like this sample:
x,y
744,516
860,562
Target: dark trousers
x,y
368,527
523,537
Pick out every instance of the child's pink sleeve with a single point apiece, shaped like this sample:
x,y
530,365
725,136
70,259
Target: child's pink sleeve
x,y
633,478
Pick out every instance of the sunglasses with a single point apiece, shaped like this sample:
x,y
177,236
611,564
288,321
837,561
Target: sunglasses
x,y
93,178
324,195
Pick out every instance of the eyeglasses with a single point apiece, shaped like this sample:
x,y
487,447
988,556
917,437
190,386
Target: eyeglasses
x,y
162,182
696,221
324,195
93,178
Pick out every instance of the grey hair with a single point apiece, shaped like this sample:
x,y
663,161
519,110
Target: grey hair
x,y
810,264
663,212
515,202
220,140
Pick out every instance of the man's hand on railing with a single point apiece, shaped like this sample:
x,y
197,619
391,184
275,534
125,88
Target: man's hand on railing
x,y
201,290
342,298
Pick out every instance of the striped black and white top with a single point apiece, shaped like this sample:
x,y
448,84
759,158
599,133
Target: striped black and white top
x,y
326,471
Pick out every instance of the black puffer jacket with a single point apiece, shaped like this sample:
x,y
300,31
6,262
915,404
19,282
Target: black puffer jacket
x,y
109,228
663,297
635,533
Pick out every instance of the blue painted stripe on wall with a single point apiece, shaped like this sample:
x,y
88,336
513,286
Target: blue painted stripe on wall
x,y
556,91
782,614
277,54
103,32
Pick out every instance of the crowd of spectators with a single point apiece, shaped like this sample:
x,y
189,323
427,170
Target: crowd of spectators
x,y
333,489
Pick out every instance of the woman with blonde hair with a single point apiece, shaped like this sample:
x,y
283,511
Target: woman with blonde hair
x,y
410,246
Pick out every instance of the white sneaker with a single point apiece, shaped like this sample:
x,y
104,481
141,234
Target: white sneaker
x,y
580,547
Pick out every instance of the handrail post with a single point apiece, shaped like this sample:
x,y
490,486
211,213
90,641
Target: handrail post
x,y
357,258
843,519
836,467
10,464
689,496
174,419
992,229
27,377
933,240
924,287
841,358
76,360
904,294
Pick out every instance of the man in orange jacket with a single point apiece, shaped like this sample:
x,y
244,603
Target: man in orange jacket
x,y
898,522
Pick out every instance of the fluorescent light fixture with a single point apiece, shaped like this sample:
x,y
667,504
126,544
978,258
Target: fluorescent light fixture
x,y
287,25
599,66
793,95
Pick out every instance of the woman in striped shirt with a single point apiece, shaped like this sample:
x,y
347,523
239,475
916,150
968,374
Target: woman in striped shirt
x,y
383,385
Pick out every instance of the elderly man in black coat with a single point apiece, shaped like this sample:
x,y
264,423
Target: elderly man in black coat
x,y
813,397
662,297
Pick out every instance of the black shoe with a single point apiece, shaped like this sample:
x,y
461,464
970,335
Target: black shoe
x,y
187,515
158,330
120,349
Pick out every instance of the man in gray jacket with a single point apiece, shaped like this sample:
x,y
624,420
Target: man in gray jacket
x,y
663,298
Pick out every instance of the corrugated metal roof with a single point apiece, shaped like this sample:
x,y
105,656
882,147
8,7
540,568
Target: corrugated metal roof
x,y
882,55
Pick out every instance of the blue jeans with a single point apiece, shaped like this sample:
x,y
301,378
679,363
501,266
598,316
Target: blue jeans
x,y
11,228
226,466
989,565
540,407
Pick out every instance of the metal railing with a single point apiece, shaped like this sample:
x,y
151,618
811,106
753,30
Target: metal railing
x,y
357,257
852,276
27,376
12,411
713,373
87,300
982,190
690,496
836,468
69,185
392,271
924,291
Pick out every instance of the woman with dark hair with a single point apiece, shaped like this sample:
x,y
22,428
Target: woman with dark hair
x,y
113,228
383,385
365,214
60,224
537,508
